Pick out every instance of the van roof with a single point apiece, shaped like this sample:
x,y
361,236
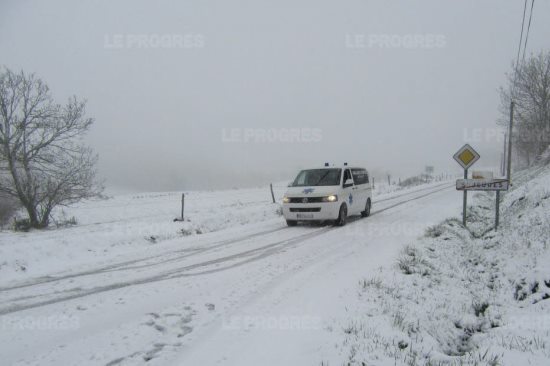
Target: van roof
x,y
342,166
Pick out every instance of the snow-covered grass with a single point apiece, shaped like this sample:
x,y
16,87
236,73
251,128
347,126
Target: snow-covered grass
x,y
463,296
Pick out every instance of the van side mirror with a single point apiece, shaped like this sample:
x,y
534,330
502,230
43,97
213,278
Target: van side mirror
x,y
289,184
348,183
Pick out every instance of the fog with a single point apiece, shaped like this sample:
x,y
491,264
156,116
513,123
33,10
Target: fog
x,y
212,94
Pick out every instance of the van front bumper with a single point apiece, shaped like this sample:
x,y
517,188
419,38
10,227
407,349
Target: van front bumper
x,y
311,211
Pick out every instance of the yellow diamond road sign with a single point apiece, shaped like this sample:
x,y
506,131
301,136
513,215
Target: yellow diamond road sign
x,y
466,156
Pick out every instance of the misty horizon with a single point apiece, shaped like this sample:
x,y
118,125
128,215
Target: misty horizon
x,y
202,95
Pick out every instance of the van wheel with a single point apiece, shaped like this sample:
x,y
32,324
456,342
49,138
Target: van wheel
x,y
342,216
291,222
366,213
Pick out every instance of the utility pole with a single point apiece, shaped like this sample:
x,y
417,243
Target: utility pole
x,y
509,161
503,162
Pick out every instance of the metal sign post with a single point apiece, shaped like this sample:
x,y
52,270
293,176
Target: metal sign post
x,y
464,200
498,184
497,210
466,156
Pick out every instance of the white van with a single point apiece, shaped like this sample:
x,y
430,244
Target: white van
x,y
328,193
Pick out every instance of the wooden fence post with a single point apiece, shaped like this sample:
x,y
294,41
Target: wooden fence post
x,y
272,195
182,218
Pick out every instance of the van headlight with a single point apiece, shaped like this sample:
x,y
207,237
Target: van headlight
x,y
331,198
286,199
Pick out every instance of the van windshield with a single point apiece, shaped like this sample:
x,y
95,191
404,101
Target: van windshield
x,y
318,177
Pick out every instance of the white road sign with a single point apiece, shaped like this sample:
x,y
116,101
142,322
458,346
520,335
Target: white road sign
x,y
482,184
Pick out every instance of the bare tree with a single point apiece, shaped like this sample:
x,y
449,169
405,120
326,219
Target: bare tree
x,y
43,162
529,88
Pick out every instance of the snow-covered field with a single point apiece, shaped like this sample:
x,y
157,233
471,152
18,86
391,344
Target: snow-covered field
x,y
126,286
136,225
127,226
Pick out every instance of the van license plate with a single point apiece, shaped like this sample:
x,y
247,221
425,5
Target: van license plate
x,y
304,216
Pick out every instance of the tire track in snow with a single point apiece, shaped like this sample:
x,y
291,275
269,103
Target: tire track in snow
x,y
127,264
409,193
412,199
175,273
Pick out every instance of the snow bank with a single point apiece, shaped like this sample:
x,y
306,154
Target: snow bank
x,y
461,296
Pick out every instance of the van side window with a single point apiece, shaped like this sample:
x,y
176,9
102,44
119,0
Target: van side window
x,y
347,175
360,176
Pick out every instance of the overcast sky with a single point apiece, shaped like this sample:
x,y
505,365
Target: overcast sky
x,y
189,94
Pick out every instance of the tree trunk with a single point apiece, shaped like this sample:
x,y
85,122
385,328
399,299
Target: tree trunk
x,y
33,216
45,219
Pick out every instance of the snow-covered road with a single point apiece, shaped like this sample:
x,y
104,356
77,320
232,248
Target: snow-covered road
x,y
264,294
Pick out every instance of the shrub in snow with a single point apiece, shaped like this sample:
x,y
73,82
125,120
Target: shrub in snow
x,y
413,181
412,261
